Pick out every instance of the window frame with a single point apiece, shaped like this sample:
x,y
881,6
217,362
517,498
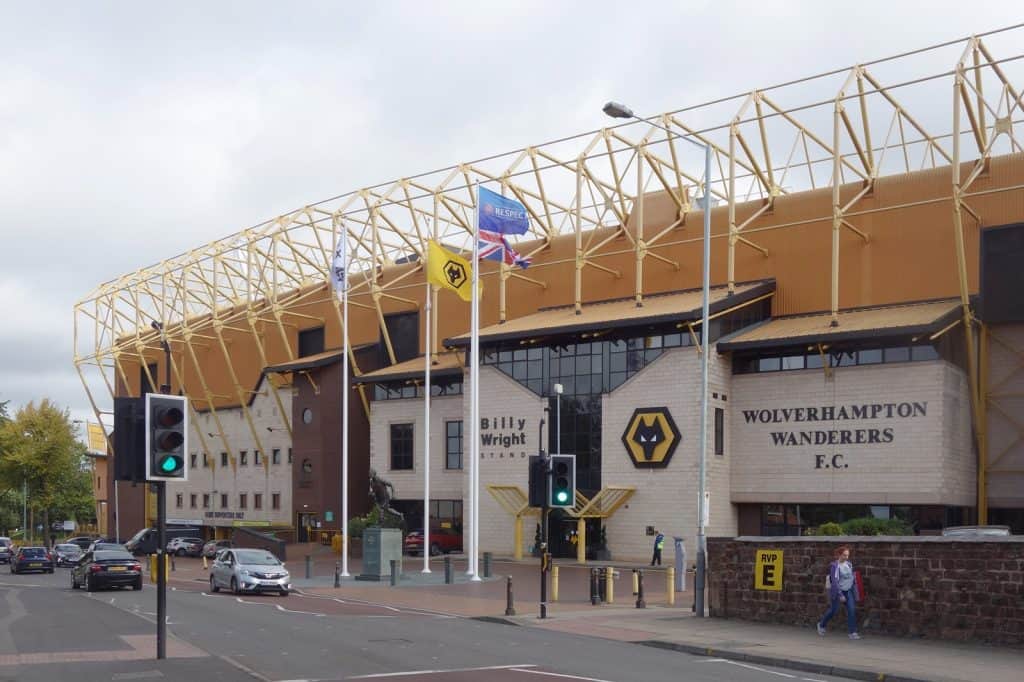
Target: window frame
x,y
449,441
407,458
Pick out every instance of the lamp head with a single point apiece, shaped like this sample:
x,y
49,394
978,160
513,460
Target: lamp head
x,y
156,325
617,110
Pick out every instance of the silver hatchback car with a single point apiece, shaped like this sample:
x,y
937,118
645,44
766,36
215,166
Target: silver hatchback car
x,y
249,570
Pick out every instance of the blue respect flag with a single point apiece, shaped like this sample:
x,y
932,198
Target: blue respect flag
x,y
498,214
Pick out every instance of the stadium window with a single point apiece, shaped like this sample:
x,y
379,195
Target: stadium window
x,y
275,456
192,460
719,431
923,353
243,501
275,500
769,364
179,500
257,500
401,446
898,354
206,501
223,500
223,459
793,362
243,458
453,444
192,500
256,459
871,356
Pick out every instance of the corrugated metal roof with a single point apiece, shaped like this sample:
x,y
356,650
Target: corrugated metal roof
x,y
657,308
308,362
449,363
863,323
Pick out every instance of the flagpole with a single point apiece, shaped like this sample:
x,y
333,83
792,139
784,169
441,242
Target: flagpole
x,y
344,409
426,434
474,384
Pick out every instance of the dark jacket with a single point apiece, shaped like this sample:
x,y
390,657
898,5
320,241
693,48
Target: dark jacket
x,y
659,541
833,575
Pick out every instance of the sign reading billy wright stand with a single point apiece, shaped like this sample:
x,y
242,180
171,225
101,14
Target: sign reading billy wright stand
x,y
768,570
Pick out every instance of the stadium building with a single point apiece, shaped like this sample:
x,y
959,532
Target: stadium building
x,y
866,325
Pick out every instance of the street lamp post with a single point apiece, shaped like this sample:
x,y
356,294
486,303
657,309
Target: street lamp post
x,y
616,110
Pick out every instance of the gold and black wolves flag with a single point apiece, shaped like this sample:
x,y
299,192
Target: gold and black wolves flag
x,y
449,271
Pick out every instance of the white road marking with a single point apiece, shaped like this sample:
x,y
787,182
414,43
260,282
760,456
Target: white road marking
x,y
548,674
760,670
450,670
306,613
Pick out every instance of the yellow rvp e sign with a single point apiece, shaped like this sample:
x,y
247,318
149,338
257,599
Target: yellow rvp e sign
x,y
768,570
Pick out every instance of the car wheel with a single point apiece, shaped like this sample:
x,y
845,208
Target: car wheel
x,y
435,549
180,552
74,583
213,585
89,585
234,586
138,585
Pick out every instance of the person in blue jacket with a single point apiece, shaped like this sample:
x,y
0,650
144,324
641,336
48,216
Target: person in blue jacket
x,y
842,589
659,544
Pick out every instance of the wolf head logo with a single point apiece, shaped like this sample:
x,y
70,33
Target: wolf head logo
x,y
651,437
648,435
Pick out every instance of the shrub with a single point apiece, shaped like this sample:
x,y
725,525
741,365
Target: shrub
x,y
829,528
872,526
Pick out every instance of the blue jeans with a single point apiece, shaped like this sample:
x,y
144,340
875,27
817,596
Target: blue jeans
x,y
851,610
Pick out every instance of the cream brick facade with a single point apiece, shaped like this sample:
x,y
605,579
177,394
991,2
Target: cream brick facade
x,y
235,479
924,457
445,484
666,498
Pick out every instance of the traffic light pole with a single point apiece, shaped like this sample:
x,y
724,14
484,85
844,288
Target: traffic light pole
x,y
545,558
161,570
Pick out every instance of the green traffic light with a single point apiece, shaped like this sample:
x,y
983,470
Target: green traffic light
x,y
561,496
168,465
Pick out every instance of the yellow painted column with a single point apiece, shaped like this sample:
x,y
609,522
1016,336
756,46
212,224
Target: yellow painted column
x,y
517,549
554,583
581,541
609,584
670,585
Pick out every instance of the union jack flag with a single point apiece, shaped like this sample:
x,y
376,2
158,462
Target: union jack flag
x,y
494,246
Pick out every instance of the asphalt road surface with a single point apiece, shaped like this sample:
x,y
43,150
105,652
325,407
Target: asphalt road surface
x,y
50,632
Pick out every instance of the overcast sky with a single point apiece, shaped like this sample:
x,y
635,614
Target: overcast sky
x,y
132,131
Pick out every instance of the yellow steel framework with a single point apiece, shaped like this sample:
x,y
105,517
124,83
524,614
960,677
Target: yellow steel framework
x,y
849,125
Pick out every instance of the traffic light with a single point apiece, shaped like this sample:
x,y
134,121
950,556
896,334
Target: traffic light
x,y
129,439
166,437
563,481
538,485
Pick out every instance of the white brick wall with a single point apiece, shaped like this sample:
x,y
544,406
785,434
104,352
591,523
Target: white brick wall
x,y
929,460
444,483
249,479
667,498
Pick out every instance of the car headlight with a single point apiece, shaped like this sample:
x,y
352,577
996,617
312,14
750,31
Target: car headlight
x,y
243,572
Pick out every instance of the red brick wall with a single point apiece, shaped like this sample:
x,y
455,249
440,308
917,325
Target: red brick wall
x,y
958,589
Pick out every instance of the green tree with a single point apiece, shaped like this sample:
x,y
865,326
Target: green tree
x,y
38,448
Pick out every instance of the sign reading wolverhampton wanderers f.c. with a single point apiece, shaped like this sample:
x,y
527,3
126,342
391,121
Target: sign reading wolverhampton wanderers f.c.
x,y
651,437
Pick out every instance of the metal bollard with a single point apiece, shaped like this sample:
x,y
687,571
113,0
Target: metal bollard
x,y
554,583
394,571
636,583
309,567
448,577
670,585
595,597
337,574
609,585
487,564
640,603
509,608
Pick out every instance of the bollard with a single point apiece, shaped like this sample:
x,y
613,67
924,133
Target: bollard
x,y
337,574
173,567
487,564
640,603
309,567
670,585
509,609
554,583
595,598
448,578
636,583
609,585
206,565
394,571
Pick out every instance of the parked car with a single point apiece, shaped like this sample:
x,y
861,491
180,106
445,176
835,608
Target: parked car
x,y
104,545
249,570
5,550
145,541
442,541
976,531
107,568
31,559
66,554
82,541
183,546
211,548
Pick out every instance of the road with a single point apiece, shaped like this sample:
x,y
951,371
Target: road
x,y
49,632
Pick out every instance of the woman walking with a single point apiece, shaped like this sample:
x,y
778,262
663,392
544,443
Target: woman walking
x,y
842,589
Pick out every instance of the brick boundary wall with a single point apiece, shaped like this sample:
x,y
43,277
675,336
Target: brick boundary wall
x,y
936,587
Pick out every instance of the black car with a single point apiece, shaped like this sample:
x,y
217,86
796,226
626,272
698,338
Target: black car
x,y
107,568
5,550
66,554
82,541
31,559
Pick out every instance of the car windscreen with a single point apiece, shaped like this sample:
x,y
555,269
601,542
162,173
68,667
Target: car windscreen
x,y
256,558
33,552
138,536
68,548
109,546
112,555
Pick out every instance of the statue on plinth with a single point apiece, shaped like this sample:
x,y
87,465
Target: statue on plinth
x,y
382,492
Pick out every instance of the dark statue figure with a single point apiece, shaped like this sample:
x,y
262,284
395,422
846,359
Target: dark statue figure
x,y
381,492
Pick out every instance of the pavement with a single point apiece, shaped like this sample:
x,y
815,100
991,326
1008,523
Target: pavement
x,y
659,625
